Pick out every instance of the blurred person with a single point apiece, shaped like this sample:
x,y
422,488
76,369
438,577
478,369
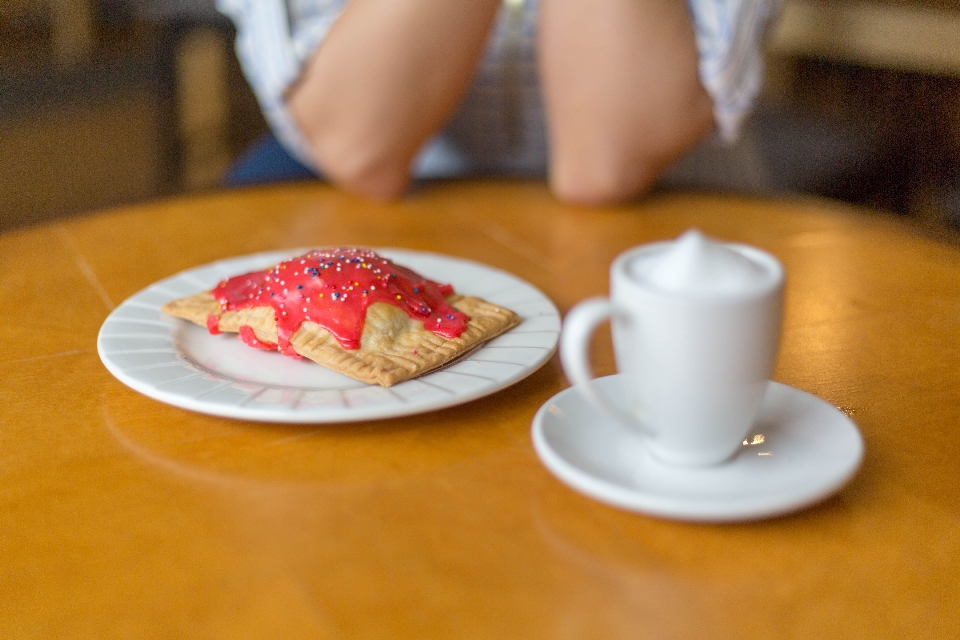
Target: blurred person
x,y
600,96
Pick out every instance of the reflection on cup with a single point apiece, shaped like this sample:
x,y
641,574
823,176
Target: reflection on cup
x,y
696,325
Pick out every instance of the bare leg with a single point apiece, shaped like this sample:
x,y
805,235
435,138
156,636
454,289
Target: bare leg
x,y
622,94
388,76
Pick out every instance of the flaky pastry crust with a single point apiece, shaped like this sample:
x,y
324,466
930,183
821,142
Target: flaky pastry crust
x,y
393,347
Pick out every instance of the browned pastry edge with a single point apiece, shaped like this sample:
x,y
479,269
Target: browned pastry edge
x,y
394,347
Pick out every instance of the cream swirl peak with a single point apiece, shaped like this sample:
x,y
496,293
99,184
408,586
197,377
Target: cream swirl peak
x,y
695,265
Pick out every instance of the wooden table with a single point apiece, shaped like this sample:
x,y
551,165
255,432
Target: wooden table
x,y
121,517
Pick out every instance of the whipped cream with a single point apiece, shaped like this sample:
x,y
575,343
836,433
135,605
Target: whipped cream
x,y
694,264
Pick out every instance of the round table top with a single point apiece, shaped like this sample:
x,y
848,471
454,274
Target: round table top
x,y
124,517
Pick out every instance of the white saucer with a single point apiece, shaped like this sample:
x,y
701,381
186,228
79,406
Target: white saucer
x,y
805,450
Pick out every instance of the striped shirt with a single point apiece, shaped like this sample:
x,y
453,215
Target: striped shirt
x,y
499,127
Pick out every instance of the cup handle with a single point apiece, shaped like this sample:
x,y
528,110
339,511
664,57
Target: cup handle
x,y
578,327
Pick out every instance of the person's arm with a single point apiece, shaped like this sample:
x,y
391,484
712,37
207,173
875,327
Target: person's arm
x,y
622,94
387,77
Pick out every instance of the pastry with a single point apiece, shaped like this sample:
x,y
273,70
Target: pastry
x,y
350,310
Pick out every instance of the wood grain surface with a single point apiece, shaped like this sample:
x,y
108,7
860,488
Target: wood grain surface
x,y
121,517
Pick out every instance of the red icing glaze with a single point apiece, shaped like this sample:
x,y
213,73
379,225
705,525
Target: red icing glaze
x,y
251,340
333,288
213,324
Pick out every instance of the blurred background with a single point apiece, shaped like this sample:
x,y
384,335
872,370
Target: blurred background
x,y
104,102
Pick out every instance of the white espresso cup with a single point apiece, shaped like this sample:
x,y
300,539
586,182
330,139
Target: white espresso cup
x,y
696,326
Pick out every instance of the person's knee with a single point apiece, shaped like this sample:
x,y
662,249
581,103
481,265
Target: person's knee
x,y
594,181
612,175
365,169
620,168
376,180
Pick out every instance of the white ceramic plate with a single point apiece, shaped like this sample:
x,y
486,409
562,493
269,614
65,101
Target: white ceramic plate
x,y
802,450
181,364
